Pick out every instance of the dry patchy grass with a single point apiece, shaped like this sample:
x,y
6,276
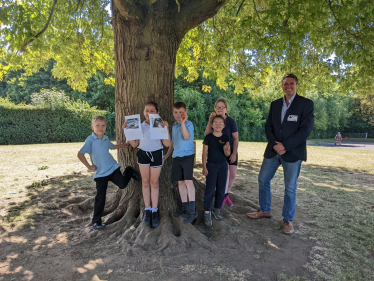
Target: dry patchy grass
x,y
335,191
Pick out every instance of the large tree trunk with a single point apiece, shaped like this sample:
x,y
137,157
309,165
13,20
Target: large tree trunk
x,y
147,37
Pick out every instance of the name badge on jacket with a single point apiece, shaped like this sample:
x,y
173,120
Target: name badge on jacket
x,y
292,118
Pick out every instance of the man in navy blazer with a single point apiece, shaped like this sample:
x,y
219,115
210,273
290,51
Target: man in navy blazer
x,y
289,123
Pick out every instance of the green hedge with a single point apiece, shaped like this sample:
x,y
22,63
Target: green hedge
x,y
25,124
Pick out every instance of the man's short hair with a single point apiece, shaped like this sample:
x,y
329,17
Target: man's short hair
x,y
290,76
98,117
179,104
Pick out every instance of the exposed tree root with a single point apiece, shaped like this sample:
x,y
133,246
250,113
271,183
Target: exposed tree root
x,y
73,200
124,213
81,207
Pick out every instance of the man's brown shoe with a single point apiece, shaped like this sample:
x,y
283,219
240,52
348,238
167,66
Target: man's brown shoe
x,y
259,215
288,227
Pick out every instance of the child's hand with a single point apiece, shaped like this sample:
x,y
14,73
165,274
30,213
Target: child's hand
x,y
184,117
226,147
166,156
92,168
205,171
165,123
233,158
124,126
211,116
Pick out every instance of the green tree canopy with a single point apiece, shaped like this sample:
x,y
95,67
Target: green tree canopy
x,y
320,41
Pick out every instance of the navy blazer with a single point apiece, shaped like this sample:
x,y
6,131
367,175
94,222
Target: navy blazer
x,y
291,133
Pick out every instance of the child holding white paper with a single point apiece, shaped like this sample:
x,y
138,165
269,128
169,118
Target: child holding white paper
x,y
150,160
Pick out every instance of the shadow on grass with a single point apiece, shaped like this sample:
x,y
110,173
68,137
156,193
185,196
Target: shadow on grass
x,y
47,196
38,241
40,227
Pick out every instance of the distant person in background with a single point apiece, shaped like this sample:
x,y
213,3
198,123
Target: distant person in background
x,y
366,136
338,138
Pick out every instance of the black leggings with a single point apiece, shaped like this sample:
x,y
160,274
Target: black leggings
x,y
101,185
215,185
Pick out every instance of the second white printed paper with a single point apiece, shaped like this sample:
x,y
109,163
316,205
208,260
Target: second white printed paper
x,y
158,132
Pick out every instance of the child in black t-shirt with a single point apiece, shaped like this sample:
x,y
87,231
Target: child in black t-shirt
x,y
216,149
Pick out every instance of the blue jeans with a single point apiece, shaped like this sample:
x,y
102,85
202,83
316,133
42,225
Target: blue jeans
x,y
291,173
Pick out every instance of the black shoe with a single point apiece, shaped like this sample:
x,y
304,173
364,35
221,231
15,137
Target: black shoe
x,y
155,219
99,226
131,172
189,217
178,212
147,217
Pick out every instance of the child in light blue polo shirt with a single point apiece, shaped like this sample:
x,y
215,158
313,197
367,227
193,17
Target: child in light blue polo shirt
x,y
106,168
183,161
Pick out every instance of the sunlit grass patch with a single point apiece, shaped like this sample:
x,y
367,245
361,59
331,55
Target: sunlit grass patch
x,y
335,192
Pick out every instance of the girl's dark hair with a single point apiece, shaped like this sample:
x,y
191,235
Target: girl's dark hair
x,y
154,104
219,116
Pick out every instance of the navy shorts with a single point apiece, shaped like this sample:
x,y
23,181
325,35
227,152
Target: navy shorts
x,y
152,158
182,168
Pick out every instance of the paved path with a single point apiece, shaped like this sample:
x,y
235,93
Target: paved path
x,y
354,145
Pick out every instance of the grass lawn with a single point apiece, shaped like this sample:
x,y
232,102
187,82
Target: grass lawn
x,y
332,140
335,192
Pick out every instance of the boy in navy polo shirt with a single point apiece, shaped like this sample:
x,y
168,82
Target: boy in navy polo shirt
x,y
183,161
106,168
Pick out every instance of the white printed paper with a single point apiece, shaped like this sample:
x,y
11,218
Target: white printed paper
x,y
158,132
134,127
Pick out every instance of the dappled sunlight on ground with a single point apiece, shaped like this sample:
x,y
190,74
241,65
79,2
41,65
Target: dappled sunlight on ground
x,y
41,239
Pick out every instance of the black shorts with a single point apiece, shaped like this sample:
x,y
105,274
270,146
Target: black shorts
x,y
182,168
236,161
153,158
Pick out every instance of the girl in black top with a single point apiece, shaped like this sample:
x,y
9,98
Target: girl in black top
x,y
215,152
231,130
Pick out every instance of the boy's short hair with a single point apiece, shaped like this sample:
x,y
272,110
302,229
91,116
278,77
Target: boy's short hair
x,y
98,117
179,104
219,116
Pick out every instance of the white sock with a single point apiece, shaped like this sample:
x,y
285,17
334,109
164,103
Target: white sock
x,y
154,210
148,209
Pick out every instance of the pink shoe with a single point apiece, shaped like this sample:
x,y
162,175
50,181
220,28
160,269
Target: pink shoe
x,y
224,201
228,201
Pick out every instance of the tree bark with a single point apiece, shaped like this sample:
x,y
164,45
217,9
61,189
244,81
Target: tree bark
x,y
146,41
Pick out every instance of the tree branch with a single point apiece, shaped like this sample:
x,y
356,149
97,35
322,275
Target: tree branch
x,y
129,9
240,6
194,12
353,34
24,47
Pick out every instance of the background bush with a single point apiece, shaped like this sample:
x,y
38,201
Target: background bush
x,y
334,110
25,124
